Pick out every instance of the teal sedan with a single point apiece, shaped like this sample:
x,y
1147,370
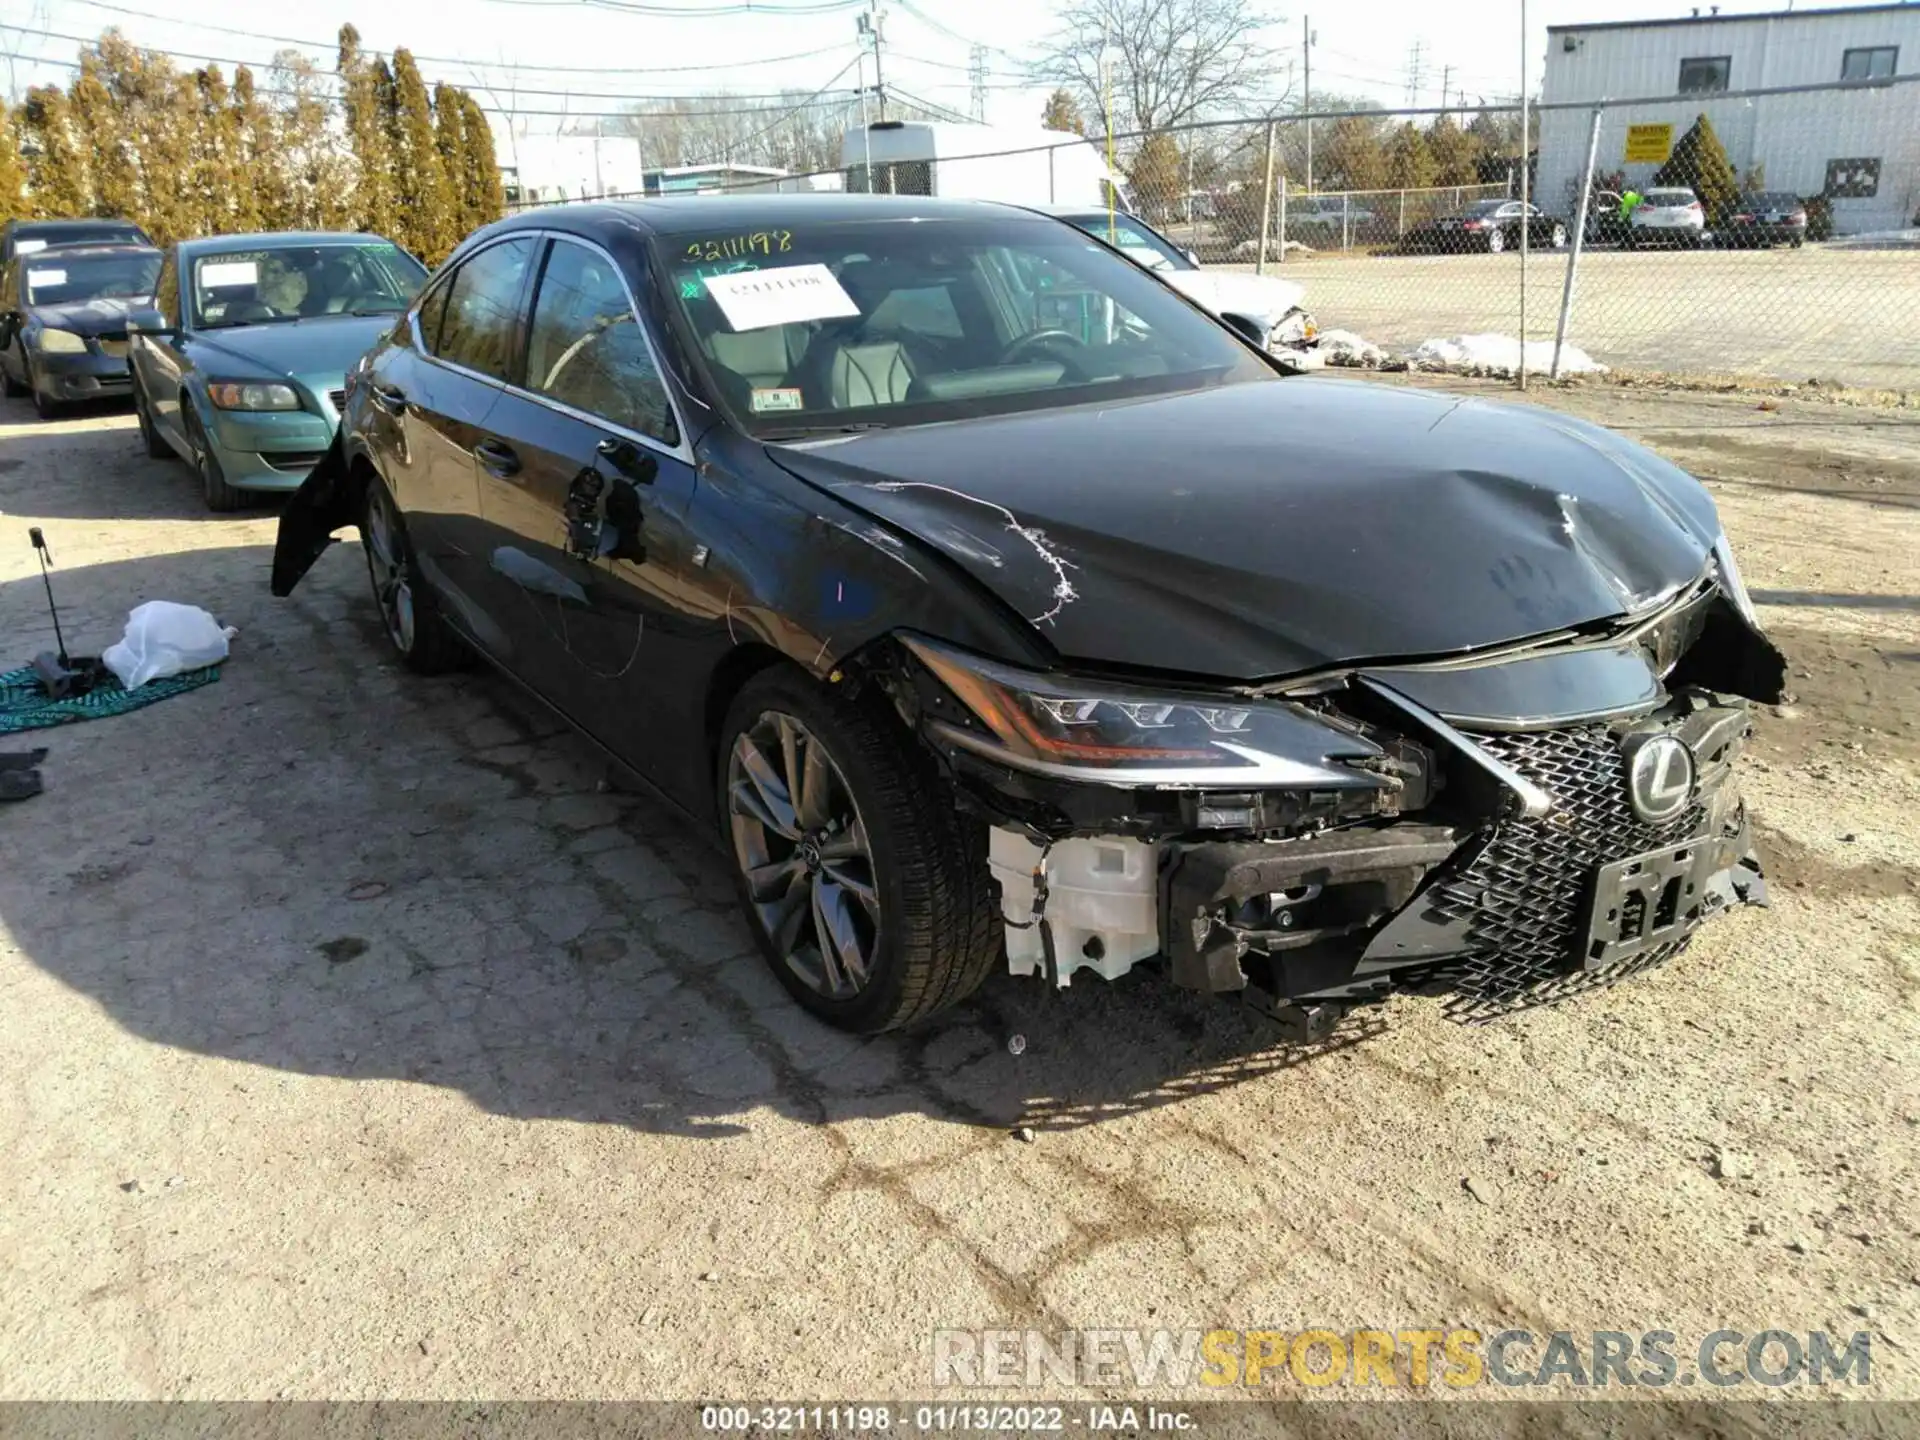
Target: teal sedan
x,y
243,376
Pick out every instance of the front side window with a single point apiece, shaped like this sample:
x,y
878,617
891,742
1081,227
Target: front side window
x,y
585,347
1134,240
483,303
167,298
1705,73
1871,62
884,322
302,282
60,278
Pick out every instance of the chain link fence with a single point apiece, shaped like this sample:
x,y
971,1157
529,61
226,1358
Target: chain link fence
x,y
1772,234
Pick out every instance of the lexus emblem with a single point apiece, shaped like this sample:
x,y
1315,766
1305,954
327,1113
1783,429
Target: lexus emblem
x,y
1659,778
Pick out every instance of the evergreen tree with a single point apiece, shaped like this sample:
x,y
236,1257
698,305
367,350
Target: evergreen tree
x,y
1156,172
1410,163
450,143
1063,113
1454,152
212,181
1352,157
57,165
1700,162
367,96
420,182
13,168
484,192
98,117
258,166
314,187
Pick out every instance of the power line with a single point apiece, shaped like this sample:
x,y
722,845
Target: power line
x,y
332,46
507,111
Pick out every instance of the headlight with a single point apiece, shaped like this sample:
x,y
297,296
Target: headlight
x,y
1730,581
252,395
1117,735
61,342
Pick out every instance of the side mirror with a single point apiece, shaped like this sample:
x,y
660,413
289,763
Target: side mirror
x,y
1248,329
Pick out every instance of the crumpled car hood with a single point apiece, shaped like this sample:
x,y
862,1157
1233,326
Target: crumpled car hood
x,y
1227,292
1254,531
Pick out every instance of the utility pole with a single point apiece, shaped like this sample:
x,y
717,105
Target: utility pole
x,y
872,26
1306,90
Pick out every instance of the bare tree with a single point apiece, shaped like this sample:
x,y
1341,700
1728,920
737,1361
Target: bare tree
x,y
1173,61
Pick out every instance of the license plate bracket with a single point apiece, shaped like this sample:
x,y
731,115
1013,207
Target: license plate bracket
x,y
1645,901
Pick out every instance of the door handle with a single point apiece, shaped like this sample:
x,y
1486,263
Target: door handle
x,y
629,459
497,458
390,398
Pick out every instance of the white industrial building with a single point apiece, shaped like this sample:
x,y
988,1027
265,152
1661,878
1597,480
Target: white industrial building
x,y
1860,147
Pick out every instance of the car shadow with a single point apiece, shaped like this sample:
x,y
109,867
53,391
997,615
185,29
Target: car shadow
x,y
326,866
81,469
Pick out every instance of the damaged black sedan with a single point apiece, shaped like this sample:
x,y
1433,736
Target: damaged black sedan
x,y
991,604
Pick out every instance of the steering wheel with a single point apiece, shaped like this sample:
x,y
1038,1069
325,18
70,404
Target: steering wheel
x,y
1017,348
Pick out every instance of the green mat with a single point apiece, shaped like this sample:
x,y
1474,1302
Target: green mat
x,y
25,706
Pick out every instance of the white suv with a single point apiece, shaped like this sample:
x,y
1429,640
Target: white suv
x,y
1668,213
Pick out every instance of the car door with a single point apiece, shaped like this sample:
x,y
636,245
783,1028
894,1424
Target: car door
x,y
585,479
155,356
429,401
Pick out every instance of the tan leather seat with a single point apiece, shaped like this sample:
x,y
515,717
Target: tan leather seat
x,y
876,374
759,357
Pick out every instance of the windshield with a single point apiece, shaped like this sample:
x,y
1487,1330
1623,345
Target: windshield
x,y
61,279
1134,240
900,322
1484,207
302,282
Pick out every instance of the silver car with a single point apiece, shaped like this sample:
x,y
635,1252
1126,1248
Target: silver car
x,y
1672,214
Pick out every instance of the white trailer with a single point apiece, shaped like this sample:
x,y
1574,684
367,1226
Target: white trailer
x,y
1018,165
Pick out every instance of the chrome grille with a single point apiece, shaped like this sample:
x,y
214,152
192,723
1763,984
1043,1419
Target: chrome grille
x,y
337,399
1524,893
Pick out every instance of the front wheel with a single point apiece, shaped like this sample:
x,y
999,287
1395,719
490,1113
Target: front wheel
x,y
409,612
45,406
9,386
1496,241
1558,238
865,888
157,448
221,497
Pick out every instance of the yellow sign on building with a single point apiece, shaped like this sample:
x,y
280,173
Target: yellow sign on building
x,y
1649,143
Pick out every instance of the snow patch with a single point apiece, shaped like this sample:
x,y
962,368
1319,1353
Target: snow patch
x,y
1343,347
1500,355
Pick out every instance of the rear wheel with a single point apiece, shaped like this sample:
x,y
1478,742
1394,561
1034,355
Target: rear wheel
x,y
409,611
221,497
1558,238
1496,241
865,888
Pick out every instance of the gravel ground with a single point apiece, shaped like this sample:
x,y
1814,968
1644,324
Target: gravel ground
x,y
357,1040
1843,315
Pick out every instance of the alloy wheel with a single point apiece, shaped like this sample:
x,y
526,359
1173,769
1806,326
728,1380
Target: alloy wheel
x,y
802,846
1496,242
391,573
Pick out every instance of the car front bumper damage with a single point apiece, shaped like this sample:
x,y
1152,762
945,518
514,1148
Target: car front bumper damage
x,y
1510,866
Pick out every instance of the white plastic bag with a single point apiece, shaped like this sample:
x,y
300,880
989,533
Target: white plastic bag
x,y
163,639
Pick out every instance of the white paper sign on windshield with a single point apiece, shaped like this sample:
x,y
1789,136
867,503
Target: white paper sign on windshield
x,y
28,247
215,274
40,279
755,299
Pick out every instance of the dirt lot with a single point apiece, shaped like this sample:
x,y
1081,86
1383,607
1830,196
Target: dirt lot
x,y
1846,315
357,1040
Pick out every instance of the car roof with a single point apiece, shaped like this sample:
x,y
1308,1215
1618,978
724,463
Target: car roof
x,y
277,240
56,227
704,214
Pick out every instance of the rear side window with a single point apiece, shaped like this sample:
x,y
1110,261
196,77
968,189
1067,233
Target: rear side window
x,y
585,347
482,309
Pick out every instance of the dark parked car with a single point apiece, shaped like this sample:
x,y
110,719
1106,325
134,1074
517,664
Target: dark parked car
x,y
63,321
23,237
988,603
243,376
1774,217
1490,226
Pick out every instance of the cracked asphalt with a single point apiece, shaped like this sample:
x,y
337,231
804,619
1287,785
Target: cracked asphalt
x,y
359,1039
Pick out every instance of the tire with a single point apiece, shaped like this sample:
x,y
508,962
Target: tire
x,y
409,611
1797,241
931,931
221,497
9,386
1496,241
43,406
1558,238
156,447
